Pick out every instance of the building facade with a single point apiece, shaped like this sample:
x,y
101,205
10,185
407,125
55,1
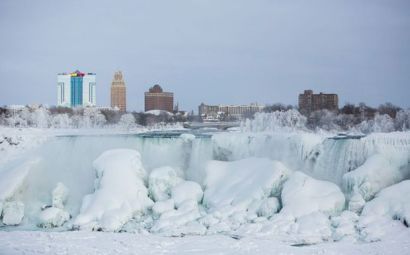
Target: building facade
x,y
218,112
76,89
309,102
118,92
157,99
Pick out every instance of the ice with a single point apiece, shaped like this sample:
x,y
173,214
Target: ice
x,y
313,228
392,202
13,213
120,191
187,137
302,195
11,180
269,207
59,196
233,186
345,226
162,206
161,181
186,190
375,174
53,217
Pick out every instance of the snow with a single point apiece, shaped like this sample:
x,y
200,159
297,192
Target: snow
x,y
81,242
392,202
59,196
120,191
158,112
302,195
186,190
161,181
53,217
233,186
13,212
375,174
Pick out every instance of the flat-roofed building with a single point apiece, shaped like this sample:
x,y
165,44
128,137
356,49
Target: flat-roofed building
x,y
157,99
309,102
76,89
216,112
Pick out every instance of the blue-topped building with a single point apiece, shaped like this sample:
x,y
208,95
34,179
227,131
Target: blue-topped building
x,y
76,89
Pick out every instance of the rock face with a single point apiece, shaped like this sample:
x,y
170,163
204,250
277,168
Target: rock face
x,y
13,213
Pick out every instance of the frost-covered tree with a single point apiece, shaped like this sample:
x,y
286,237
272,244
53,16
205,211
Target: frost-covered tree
x,y
127,121
92,117
279,120
61,121
40,117
402,121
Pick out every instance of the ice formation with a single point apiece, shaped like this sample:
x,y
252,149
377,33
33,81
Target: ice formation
x,y
120,191
302,195
287,185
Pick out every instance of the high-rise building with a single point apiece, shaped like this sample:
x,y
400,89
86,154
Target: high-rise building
x,y
118,92
309,102
76,89
156,99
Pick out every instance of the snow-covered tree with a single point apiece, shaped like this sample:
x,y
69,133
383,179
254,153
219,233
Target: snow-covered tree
x,y
127,121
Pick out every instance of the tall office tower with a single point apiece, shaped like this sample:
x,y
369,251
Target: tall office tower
x,y
76,89
118,92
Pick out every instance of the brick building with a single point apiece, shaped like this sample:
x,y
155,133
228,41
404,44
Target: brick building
x,y
309,102
157,99
118,92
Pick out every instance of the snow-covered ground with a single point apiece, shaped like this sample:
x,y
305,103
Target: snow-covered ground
x,y
290,192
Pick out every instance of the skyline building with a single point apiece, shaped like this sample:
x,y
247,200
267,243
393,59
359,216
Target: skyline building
x,y
119,92
76,89
309,102
157,99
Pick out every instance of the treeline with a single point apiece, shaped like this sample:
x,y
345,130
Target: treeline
x,y
63,117
363,118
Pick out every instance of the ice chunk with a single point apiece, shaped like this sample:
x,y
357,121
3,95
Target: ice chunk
x,y
185,191
59,195
345,226
269,207
302,195
375,174
120,191
235,186
13,213
356,203
161,181
162,206
392,202
53,217
313,228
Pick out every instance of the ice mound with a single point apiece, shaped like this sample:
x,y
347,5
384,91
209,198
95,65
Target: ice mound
x,y
187,190
187,137
375,174
392,202
302,195
239,183
59,196
13,213
161,181
119,193
55,215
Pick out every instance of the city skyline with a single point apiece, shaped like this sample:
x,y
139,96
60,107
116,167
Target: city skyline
x,y
225,52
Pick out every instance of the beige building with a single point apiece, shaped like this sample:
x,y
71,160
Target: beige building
x,y
217,112
118,92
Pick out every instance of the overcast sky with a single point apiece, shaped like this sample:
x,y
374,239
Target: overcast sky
x,y
212,51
